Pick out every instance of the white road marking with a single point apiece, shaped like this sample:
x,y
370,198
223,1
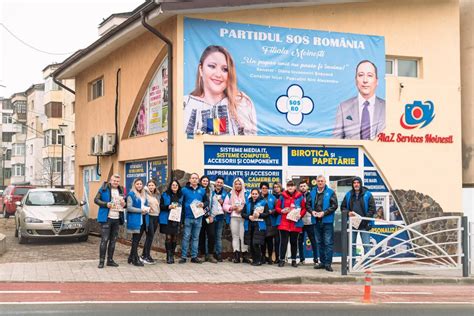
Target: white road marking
x,y
289,292
30,292
433,303
406,293
164,292
178,302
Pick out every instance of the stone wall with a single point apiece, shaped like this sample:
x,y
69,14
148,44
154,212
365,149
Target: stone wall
x,y
416,206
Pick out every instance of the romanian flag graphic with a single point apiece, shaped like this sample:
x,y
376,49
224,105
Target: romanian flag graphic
x,y
216,126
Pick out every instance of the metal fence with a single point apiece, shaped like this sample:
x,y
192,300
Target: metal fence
x,y
434,243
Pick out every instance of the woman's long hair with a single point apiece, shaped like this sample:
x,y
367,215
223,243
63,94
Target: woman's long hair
x,y
170,192
231,91
155,194
139,194
208,188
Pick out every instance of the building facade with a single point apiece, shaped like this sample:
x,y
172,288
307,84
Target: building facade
x,y
19,103
7,130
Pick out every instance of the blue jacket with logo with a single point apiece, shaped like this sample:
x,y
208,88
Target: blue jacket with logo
x,y
104,196
189,195
165,202
134,213
329,204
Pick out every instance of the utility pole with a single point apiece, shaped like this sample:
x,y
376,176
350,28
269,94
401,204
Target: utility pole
x,y
62,135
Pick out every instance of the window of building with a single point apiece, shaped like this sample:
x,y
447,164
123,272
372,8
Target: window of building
x,y
18,150
7,104
53,109
50,85
96,89
73,107
31,149
31,171
7,118
402,67
7,136
51,137
19,107
7,173
32,105
18,170
52,164
8,154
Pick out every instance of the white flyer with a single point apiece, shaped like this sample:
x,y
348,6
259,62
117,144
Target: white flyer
x,y
216,206
175,214
356,220
197,211
294,215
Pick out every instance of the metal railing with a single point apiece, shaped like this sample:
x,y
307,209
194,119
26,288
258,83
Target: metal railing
x,y
434,243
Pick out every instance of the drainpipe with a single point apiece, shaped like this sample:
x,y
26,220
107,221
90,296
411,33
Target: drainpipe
x,y
170,91
59,83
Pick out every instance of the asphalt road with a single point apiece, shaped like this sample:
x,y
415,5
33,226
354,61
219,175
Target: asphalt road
x,y
235,309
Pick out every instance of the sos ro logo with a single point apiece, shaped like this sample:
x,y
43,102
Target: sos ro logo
x,y
418,114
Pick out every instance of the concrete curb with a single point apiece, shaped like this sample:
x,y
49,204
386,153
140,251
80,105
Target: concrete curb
x,y
3,244
376,280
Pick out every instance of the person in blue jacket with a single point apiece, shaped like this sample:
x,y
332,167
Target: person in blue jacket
x,y
172,198
323,204
137,218
271,231
111,202
192,193
359,201
218,196
255,212
207,236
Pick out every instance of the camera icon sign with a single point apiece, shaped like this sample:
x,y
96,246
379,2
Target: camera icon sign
x,y
417,114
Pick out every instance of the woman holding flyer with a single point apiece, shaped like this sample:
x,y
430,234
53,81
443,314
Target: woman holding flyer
x,y
207,236
171,206
234,204
291,208
255,212
153,198
137,218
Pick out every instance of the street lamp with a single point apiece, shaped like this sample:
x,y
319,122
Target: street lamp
x,y
62,134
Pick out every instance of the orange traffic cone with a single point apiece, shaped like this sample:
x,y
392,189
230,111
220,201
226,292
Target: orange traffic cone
x,y
367,287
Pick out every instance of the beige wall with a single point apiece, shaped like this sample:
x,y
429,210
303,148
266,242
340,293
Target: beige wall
x,y
138,61
467,92
426,29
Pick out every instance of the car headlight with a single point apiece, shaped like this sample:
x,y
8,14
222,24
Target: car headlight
x,y
32,220
80,219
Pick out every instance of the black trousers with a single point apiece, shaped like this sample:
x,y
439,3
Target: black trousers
x,y
209,231
255,249
268,246
150,234
277,246
293,236
109,234
309,230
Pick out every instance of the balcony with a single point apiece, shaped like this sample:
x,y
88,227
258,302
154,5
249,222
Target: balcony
x,y
19,117
17,160
18,138
51,151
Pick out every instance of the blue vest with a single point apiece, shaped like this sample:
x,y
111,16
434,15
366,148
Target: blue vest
x,y
189,195
163,218
271,201
298,201
328,192
227,215
105,195
134,220
366,197
262,226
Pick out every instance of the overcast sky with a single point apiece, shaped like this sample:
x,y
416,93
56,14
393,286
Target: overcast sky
x,y
54,26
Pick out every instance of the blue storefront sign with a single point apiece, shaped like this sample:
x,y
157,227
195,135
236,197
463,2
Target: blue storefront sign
x,y
145,170
323,156
252,178
373,181
224,155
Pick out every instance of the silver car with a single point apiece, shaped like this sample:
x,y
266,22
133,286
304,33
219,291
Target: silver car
x,y
50,213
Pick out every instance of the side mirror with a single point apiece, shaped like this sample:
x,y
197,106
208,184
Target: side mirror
x,y
18,203
82,203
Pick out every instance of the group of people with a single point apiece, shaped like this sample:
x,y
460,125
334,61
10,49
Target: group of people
x,y
261,222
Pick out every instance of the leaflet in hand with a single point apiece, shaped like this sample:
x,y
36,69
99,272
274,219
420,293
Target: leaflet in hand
x,y
294,215
175,214
116,203
216,206
197,211
356,220
259,210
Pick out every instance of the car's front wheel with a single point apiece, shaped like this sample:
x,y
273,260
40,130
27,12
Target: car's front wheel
x,y
21,239
83,238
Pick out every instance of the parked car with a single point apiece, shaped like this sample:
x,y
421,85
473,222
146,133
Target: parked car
x,y
11,195
50,213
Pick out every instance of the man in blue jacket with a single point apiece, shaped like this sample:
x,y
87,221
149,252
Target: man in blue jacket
x,y
359,201
323,204
111,202
192,193
219,194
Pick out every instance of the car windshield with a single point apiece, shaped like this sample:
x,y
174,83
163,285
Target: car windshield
x,y
21,191
44,198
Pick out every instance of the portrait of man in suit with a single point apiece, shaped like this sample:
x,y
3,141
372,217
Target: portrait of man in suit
x,y
362,116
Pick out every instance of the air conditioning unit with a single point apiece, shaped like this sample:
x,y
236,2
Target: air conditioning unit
x,y
96,145
108,144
